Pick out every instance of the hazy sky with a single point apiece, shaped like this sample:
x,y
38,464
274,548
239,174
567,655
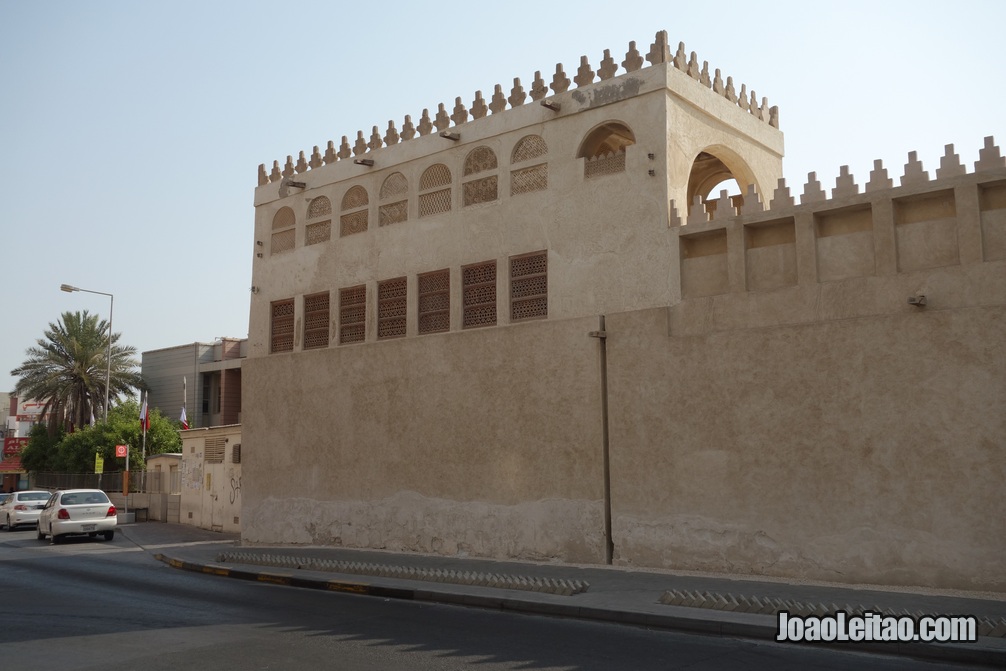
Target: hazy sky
x,y
131,132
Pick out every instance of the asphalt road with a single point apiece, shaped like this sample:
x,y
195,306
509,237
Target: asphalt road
x,y
91,604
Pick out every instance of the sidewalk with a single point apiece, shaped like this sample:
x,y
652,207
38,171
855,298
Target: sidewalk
x,y
690,603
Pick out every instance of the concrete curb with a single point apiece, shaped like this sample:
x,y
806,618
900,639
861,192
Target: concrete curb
x,y
986,651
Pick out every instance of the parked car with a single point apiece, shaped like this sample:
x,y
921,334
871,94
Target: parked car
x,y
19,508
77,512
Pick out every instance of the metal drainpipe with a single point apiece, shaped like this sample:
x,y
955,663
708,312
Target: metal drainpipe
x,y
602,335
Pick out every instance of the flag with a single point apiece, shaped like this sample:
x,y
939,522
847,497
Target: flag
x,y
144,416
185,398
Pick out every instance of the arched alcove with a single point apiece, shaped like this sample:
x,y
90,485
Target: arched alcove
x,y
718,167
603,149
608,138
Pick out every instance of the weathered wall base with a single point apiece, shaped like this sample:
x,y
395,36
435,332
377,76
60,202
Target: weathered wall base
x,y
570,531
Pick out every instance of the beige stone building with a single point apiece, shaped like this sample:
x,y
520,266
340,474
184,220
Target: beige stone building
x,y
531,327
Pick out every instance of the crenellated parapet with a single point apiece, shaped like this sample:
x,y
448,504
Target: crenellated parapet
x,y
540,90
726,207
865,249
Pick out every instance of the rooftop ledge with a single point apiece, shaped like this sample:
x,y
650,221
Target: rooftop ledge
x,y
679,74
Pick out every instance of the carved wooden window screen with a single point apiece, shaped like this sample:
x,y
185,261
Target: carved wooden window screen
x,y
527,148
394,206
284,218
394,186
353,314
478,283
527,180
392,308
433,197
483,189
319,207
319,232
480,159
213,450
355,211
282,241
529,286
607,164
284,234
393,213
435,301
316,321
281,327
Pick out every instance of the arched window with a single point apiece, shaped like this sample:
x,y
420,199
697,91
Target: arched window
x,y
318,231
711,168
603,149
483,186
435,190
529,150
355,211
319,207
394,198
283,231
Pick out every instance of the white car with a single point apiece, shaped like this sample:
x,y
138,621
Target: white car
x,y
20,508
77,512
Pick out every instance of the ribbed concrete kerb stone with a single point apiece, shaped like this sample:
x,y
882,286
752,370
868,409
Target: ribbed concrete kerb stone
x,y
559,586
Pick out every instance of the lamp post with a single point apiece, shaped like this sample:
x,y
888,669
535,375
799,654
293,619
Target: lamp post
x,y
108,358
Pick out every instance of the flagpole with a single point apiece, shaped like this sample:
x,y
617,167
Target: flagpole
x,y
146,420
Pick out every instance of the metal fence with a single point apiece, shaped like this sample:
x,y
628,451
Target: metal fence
x,y
153,482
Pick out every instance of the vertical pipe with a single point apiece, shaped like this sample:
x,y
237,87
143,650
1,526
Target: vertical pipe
x,y
609,544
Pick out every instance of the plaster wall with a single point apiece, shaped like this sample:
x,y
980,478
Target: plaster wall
x,y
864,449
696,122
776,405
607,237
796,415
485,442
211,488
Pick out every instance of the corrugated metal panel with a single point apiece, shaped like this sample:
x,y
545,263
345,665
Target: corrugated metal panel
x,y
200,364
163,371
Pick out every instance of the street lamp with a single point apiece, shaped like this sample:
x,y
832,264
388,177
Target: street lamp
x,y
108,358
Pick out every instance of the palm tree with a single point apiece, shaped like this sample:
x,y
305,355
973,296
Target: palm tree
x,y
66,370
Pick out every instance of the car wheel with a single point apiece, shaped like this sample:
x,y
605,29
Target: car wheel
x,y
55,540
109,535
40,535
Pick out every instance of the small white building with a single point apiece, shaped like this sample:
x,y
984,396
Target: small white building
x,y
210,478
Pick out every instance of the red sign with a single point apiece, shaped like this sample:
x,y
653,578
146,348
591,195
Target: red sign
x,y
11,465
121,450
12,446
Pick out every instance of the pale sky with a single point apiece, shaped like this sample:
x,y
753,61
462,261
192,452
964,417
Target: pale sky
x,y
131,132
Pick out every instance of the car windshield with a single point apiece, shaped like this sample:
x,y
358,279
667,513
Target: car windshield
x,y
82,498
33,496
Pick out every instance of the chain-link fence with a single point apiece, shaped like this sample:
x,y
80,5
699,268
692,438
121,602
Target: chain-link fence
x,y
154,482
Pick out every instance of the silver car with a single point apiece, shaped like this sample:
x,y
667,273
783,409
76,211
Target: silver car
x,y
77,512
20,508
